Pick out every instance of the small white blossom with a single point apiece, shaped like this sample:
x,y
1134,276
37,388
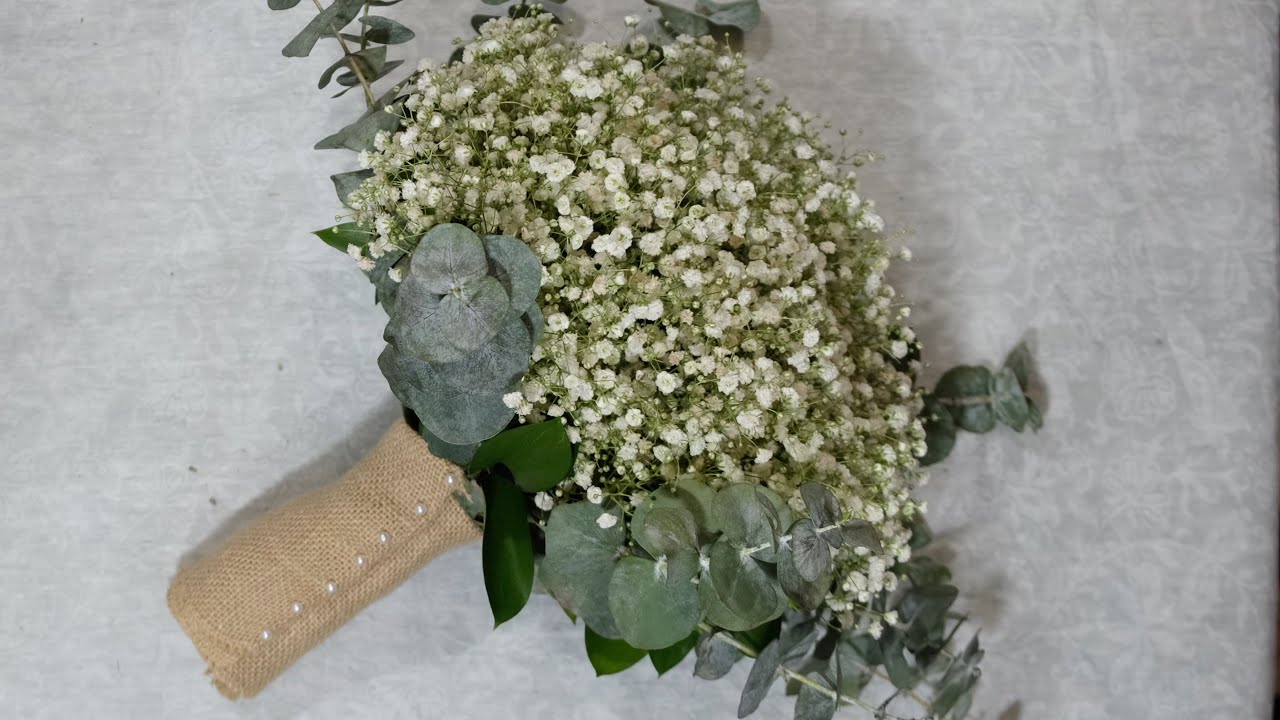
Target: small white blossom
x,y
606,520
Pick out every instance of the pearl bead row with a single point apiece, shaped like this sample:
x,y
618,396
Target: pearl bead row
x,y
384,538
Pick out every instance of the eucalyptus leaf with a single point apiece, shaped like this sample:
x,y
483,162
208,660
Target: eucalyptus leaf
x,y
810,553
854,675
697,497
346,183
359,135
719,615
739,514
923,610
902,673
415,325
495,2
459,454
666,658
516,268
534,323
662,497
344,234
860,533
922,570
385,30
798,637
385,289
448,257
470,316
939,431
813,704
702,19
760,635
921,534
579,562
282,4
763,672
742,584
370,61
538,455
1019,361
655,604
821,505
807,594
666,530
351,80
1034,418
966,392
1008,400
609,656
328,21
507,552
715,658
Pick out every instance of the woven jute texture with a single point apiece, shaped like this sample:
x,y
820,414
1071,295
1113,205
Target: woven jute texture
x,y
282,585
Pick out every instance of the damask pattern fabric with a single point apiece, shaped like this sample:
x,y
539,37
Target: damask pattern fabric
x,y
180,354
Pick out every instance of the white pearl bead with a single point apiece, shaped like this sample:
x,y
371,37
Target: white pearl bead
x,y
384,537
331,587
266,634
360,560
449,479
420,509
297,608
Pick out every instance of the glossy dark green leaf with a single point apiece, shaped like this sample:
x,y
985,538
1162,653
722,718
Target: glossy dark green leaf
x,y
507,552
666,658
655,603
580,558
329,21
538,455
715,658
346,183
609,656
763,671
1008,401
939,431
385,30
813,704
344,234
860,533
966,391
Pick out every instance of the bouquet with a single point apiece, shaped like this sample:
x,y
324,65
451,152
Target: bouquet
x,y
637,315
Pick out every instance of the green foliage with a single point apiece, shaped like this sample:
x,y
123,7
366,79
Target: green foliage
x,y
744,520
609,656
507,552
974,398
812,704
666,658
537,455
709,17
579,563
763,671
329,20
346,183
344,234
655,603
385,30
715,658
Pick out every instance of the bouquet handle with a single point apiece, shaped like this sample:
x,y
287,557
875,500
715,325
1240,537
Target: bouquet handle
x,y
282,585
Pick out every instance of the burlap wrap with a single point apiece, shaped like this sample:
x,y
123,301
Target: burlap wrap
x,y
281,586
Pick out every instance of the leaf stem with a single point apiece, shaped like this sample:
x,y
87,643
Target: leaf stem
x,y
800,678
351,59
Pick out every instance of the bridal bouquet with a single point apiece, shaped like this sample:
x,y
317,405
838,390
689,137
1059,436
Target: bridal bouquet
x,y
641,307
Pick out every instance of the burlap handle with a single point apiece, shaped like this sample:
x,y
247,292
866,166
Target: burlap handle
x,y
281,586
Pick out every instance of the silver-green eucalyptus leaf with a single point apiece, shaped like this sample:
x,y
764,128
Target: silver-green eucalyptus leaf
x,y
1008,400
516,267
535,323
742,583
447,257
715,658
813,704
810,552
359,135
666,530
385,30
580,559
655,603
346,183
471,315
282,4
821,504
763,672
466,395
328,21
860,533
806,594
738,512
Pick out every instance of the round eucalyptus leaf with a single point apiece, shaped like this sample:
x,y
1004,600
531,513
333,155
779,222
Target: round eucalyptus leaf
x,y
465,397
860,533
966,392
738,512
939,431
1008,401
697,497
810,552
469,316
715,658
666,530
416,328
579,562
666,497
812,704
821,505
806,594
719,615
742,584
655,604
534,321
448,257
515,266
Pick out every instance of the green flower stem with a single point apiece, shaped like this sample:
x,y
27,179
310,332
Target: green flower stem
x,y
804,679
351,61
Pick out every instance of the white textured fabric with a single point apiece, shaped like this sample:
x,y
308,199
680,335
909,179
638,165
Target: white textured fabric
x,y
174,343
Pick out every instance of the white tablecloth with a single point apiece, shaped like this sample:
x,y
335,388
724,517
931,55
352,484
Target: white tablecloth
x,y
177,351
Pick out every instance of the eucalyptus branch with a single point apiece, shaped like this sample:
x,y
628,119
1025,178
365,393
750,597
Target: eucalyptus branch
x,y
351,58
790,674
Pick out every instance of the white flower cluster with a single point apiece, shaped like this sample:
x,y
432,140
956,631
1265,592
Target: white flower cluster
x,y
713,285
